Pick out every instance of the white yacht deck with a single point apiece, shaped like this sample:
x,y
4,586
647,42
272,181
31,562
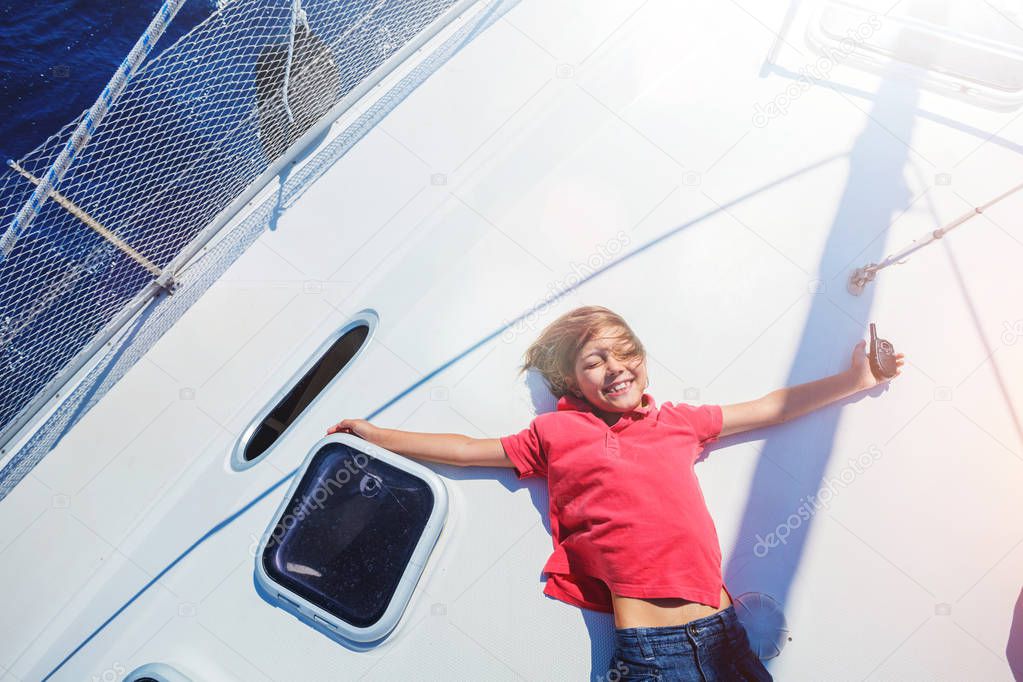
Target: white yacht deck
x,y
607,153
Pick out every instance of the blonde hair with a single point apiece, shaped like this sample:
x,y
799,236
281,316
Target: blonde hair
x,y
554,352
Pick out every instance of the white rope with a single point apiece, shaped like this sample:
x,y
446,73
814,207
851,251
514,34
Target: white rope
x,y
297,15
865,274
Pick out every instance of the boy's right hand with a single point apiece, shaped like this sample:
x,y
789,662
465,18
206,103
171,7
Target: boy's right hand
x,y
359,427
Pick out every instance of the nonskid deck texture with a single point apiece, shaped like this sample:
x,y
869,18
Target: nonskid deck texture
x,y
581,153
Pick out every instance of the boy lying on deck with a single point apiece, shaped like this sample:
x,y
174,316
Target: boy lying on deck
x,y
632,533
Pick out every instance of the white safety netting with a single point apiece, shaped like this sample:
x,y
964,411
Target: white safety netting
x,y
191,131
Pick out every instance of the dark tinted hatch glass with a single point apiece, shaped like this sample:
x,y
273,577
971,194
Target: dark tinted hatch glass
x,y
348,533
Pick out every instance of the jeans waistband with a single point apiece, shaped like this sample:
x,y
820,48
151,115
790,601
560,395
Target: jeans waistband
x,y
716,624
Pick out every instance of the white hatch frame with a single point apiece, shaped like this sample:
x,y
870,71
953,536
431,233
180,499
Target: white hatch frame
x,y
323,620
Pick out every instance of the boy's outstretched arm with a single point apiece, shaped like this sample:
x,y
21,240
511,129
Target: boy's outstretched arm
x,y
788,403
444,448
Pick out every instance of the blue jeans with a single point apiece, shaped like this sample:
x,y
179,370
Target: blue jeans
x,y
714,648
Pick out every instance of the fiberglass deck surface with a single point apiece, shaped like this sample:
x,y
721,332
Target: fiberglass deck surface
x,y
572,139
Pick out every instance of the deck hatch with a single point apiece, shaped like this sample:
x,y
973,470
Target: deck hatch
x,y
351,539
963,49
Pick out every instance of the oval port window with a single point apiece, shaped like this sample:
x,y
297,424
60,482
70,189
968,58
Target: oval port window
x,y
335,354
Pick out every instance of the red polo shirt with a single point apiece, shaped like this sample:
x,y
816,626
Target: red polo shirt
x,y
627,513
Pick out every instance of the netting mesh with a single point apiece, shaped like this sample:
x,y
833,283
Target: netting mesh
x,y
190,132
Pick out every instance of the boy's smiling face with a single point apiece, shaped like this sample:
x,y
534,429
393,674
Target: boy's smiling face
x,y
599,371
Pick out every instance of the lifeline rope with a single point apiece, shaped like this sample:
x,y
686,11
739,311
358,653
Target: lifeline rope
x,y
861,276
93,223
93,117
297,15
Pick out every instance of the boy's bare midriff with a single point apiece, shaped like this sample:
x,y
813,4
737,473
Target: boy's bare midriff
x,y
633,612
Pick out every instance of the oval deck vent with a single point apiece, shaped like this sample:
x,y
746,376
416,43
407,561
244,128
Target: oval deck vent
x,y
335,354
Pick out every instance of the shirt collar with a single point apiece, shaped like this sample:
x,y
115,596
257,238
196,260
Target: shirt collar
x,y
571,402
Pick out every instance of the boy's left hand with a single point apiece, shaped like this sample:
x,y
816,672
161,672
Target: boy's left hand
x,y
860,368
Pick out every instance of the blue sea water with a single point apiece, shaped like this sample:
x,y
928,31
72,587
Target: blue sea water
x,y
58,55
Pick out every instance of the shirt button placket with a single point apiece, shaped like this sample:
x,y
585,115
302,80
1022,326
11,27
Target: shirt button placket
x,y
611,444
